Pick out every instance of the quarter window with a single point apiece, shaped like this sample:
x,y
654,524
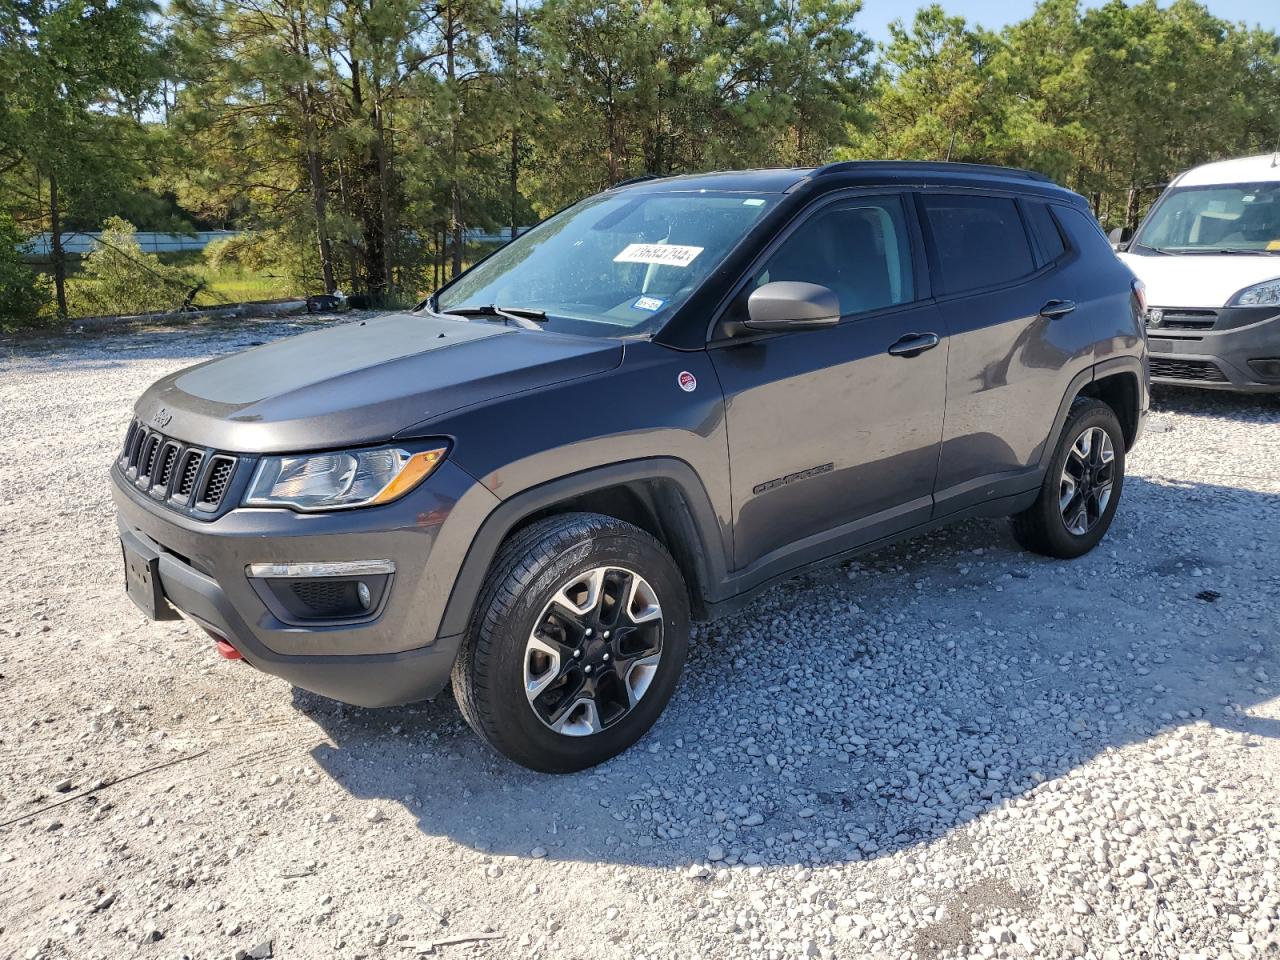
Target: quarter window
x,y
858,248
1045,227
980,241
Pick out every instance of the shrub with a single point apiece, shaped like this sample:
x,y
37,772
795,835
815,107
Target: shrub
x,y
118,278
23,292
245,252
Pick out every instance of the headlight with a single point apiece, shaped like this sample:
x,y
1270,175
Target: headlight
x,y
334,481
1265,294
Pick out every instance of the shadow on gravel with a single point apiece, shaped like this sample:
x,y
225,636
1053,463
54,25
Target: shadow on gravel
x,y
1247,407
879,704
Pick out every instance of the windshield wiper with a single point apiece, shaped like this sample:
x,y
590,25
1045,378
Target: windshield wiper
x,y
1218,251
520,316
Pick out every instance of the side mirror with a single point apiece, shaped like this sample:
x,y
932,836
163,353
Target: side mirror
x,y
791,305
1119,238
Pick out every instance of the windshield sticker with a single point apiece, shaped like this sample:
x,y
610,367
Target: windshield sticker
x,y
753,202
665,254
649,303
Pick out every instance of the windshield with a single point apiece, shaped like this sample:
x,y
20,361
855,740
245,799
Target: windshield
x,y
614,265
1235,218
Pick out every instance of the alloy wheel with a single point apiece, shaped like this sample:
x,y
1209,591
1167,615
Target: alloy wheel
x,y
1088,477
594,651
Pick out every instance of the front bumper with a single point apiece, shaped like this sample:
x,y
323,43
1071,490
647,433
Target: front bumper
x,y
1217,357
393,657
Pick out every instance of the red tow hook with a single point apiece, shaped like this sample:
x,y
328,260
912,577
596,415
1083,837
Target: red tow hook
x,y
226,650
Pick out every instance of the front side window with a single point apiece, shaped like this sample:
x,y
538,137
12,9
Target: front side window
x,y
614,265
1224,218
980,241
858,248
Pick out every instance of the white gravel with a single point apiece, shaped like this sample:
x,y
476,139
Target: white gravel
x,y
947,749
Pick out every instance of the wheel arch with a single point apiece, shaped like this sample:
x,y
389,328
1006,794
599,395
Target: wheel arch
x,y
1117,380
1119,388
660,495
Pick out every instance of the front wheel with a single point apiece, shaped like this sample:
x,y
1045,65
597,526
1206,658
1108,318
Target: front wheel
x,y
1081,489
576,645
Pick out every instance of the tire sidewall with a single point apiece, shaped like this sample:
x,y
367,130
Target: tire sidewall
x,y
1071,544
523,736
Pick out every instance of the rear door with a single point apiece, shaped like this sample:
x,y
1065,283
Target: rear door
x,y
1016,338
833,440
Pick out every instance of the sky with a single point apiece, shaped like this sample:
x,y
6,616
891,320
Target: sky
x,y
877,14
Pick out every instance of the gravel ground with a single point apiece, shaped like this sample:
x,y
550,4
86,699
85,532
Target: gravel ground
x,y
946,749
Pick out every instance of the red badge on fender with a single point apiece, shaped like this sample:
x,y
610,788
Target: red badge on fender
x,y
688,382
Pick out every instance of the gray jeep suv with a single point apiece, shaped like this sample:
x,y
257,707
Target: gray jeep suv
x,y
643,411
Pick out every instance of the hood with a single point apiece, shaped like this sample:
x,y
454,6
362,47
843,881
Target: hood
x,y
361,382
1199,280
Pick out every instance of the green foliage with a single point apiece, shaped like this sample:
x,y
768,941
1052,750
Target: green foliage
x,y
23,294
118,278
358,140
75,76
1113,101
635,86
246,251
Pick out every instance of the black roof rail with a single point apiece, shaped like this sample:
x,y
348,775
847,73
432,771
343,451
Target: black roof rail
x,y
630,180
936,166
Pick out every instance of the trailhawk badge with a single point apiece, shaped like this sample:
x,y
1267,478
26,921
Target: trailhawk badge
x,y
688,382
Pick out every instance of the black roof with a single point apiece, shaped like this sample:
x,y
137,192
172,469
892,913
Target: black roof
x,y
854,173
777,180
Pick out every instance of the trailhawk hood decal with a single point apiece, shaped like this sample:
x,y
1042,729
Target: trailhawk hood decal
x,y
362,382
1199,280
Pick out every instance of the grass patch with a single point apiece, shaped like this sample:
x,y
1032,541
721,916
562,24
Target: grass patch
x,y
230,284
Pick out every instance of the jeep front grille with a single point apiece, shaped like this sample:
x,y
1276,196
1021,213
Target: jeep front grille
x,y
173,472
215,484
187,478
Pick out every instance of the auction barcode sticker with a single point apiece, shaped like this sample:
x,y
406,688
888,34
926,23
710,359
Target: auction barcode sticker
x,y
666,254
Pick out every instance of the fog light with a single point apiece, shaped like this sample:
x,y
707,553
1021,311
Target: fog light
x,y
366,598
1266,369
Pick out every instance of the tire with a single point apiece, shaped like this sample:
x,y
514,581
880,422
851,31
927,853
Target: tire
x,y
525,694
1048,527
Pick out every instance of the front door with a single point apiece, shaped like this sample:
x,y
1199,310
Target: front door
x,y
833,439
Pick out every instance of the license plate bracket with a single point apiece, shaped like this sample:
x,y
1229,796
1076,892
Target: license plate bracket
x,y
142,582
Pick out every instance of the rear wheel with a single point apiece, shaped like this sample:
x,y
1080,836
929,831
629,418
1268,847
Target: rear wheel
x,y
1081,489
576,645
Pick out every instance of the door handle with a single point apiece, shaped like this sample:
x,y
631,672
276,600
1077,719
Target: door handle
x,y
1057,308
914,344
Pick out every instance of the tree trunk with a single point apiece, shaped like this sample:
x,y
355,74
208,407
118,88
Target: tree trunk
x,y
515,129
515,173
59,256
315,170
615,168
319,204
1131,208
384,194
455,183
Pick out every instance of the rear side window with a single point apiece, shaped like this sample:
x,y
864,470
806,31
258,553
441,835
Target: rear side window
x,y
980,241
858,248
1045,227
1082,229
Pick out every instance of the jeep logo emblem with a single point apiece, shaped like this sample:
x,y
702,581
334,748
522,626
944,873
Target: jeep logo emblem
x,y
162,418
